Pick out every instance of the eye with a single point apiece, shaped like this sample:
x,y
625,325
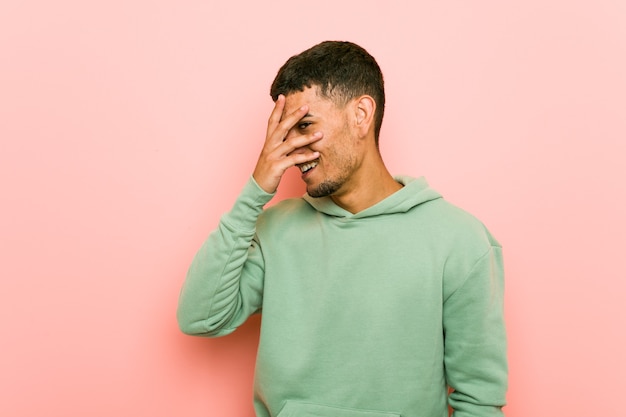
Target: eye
x,y
303,125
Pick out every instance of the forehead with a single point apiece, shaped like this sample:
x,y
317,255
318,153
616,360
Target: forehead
x,y
312,98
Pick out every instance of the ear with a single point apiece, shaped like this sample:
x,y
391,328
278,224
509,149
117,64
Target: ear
x,y
364,109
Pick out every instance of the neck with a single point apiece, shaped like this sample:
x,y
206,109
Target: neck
x,y
370,185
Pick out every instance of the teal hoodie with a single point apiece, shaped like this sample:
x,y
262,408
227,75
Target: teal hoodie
x,y
379,313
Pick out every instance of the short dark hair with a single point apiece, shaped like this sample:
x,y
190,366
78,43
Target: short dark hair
x,y
341,70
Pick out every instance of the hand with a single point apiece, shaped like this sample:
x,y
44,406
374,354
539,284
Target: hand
x,y
276,156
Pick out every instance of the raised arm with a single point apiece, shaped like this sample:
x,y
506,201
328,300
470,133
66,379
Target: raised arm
x,y
224,284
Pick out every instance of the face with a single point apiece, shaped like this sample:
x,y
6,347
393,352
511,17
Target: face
x,y
332,173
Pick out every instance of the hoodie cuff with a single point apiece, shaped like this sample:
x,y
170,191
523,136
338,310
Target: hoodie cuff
x,y
248,206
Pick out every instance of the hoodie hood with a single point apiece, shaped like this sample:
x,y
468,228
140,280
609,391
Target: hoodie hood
x,y
414,192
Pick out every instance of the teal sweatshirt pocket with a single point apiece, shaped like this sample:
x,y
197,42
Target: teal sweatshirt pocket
x,y
300,409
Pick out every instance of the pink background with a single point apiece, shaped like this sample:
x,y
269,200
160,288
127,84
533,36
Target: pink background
x,y
128,127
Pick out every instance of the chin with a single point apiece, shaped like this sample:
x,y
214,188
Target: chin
x,y
323,189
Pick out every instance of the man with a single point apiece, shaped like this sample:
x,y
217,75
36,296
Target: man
x,y
378,298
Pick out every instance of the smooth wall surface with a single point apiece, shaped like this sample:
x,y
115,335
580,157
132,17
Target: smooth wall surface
x,y
128,127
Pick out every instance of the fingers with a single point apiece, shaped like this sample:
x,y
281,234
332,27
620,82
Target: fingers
x,y
301,158
297,142
293,151
275,160
278,125
283,150
276,114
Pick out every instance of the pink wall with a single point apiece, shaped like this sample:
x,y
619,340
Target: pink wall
x,y
128,127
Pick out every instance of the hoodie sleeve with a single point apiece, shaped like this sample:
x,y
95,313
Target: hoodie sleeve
x,y
475,340
224,284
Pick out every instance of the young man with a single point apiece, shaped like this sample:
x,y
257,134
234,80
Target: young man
x,y
378,297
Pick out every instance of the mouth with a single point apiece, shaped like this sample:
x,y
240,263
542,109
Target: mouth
x,y
304,168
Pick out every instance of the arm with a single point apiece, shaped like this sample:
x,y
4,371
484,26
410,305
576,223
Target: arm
x,y
475,340
224,285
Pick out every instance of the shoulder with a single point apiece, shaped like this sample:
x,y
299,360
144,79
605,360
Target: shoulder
x,y
458,225
468,245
